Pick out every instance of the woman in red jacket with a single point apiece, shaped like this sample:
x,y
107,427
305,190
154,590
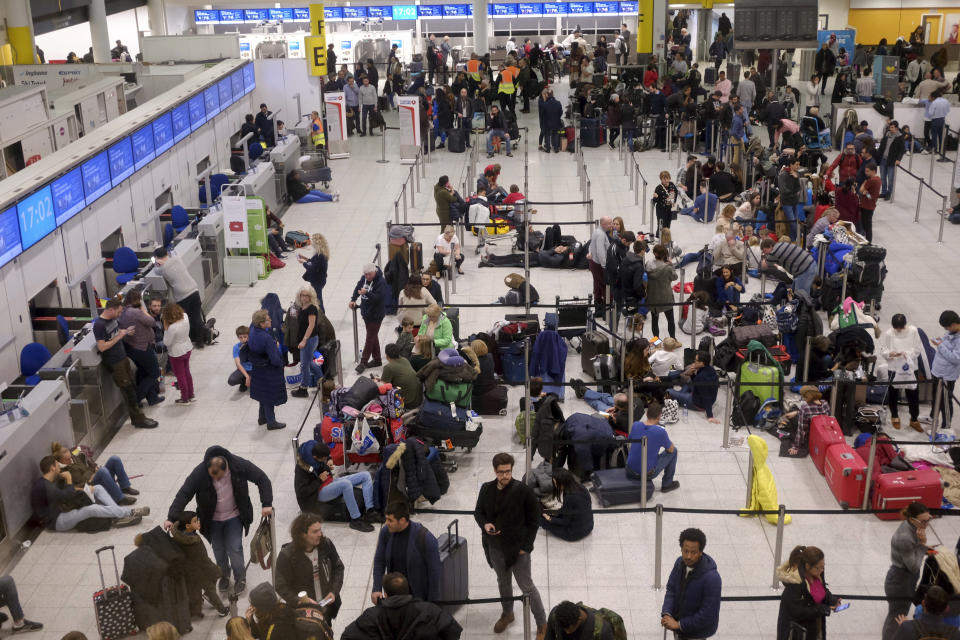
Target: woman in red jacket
x,y
848,203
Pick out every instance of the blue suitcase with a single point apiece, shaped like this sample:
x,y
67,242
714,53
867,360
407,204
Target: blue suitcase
x,y
613,487
591,132
511,356
437,415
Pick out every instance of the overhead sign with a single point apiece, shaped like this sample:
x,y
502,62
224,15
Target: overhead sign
x,y
316,55
405,12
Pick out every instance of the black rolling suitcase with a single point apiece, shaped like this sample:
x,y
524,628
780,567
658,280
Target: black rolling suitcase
x,y
594,343
456,141
613,487
709,75
454,565
113,606
591,133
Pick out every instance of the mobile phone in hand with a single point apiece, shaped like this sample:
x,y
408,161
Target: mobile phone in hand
x,y
842,606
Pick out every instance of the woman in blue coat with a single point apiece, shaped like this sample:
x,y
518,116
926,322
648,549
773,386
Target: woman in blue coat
x,y
729,288
315,268
267,385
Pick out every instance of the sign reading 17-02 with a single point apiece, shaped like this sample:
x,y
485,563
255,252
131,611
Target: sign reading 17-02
x,y
35,215
405,12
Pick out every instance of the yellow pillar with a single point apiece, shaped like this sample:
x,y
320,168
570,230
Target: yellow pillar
x,y
20,31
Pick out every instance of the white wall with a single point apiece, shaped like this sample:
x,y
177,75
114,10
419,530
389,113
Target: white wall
x,y
838,12
121,26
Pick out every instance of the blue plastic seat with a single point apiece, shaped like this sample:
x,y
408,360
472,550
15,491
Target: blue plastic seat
x,y
180,219
217,181
63,330
168,234
32,358
126,264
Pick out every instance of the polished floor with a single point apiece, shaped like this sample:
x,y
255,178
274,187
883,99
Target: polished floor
x,y
614,567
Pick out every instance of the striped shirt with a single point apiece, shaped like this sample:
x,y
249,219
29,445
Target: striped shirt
x,y
791,257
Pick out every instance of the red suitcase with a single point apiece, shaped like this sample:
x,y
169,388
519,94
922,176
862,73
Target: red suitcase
x,y
846,473
824,433
897,490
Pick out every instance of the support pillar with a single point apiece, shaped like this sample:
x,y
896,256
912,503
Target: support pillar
x,y
20,31
481,44
99,36
156,11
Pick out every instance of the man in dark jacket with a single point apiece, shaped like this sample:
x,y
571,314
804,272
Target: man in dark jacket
x,y
509,514
691,605
401,615
930,624
371,290
219,484
552,122
824,63
616,253
264,124
771,115
569,620
331,60
497,128
891,151
407,548
309,564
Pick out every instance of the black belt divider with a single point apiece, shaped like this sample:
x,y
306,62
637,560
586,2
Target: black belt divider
x,y
413,224
566,222
443,603
306,416
558,203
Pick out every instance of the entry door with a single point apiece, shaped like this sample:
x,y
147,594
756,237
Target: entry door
x,y
931,28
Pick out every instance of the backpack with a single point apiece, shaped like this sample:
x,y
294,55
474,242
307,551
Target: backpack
x,y
520,424
458,393
261,545
745,410
297,238
310,623
392,403
610,617
787,318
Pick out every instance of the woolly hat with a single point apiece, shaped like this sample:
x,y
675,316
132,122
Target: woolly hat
x,y
263,596
514,280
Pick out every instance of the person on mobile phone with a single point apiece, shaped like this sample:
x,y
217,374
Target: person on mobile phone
x,y
806,601
908,548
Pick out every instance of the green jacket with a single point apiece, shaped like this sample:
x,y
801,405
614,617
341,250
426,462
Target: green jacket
x,y
442,335
443,198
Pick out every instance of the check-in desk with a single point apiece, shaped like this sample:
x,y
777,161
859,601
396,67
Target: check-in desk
x,y
285,157
260,181
25,437
206,272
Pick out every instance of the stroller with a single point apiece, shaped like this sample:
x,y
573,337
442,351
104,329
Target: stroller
x,y
814,137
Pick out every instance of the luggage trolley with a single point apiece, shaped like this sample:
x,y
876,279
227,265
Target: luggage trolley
x,y
500,227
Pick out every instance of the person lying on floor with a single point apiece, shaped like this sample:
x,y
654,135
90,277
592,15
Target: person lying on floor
x,y
559,257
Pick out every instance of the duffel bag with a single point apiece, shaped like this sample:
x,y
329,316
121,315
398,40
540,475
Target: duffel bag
x,y
459,393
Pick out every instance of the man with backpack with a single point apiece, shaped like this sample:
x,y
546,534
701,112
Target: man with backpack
x,y
569,620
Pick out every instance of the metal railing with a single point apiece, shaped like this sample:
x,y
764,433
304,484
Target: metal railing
x,y
944,212
411,185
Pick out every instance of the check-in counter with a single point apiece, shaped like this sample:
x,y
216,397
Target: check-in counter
x,y
285,157
259,181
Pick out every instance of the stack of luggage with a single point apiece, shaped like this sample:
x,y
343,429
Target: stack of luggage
x,y
445,415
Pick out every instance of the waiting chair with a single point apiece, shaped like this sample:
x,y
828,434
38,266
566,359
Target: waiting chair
x,y
126,264
32,358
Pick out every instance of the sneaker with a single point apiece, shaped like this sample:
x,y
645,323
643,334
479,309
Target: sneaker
x,y
129,521
669,486
140,512
373,364
182,401
489,155
28,625
300,392
360,368
192,399
240,585
127,501
223,612
509,154
579,387
146,423
336,196
360,525
503,623
926,420
223,584
243,388
273,426
373,516
895,423
156,402
130,491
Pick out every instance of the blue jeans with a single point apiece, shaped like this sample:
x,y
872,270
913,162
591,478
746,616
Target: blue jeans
x,y
267,413
308,369
112,477
9,598
804,281
599,401
316,196
689,258
792,212
936,132
666,464
344,487
226,538
500,133
628,135
105,507
888,174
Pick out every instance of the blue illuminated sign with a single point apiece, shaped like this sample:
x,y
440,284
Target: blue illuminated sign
x,y
197,113
96,177
236,81
456,10
354,13
629,8
606,8
285,14
249,79
302,15
228,16
530,8
580,8
211,101
503,10
330,14
430,10
254,15
67,192
181,122
405,12
143,152
35,216
121,161
9,236
162,133
380,12
226,93
206,16
555,9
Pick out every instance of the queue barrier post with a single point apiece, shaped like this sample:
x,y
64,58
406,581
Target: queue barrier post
x,y
383,149
933,156
806,355
658,547
644,201
833,400
871,460
356,338
396,211
272,519
412,191
527,453
340,364
943,218
527,627
843,288
727,410
630,401
693,323
643,472
916,216
403,196
746,502
778,547
937,404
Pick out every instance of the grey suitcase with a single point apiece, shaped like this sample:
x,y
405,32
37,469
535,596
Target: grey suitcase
x,y
454,565
594,343
613,487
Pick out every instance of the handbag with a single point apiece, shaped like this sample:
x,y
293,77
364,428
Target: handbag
x,y
362,441
904,371
671,412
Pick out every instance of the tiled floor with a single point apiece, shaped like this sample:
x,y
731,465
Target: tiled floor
x,y
614,566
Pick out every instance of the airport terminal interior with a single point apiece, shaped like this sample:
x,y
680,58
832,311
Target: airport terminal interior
x,y
119,165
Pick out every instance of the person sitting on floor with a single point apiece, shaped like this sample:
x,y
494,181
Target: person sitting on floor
x,y
303,192
314,483
700,393
574,520
401,375
112,475
658,461
517,295
704,205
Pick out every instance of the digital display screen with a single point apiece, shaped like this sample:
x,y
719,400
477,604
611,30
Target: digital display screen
x,y
405,12
9,236
530,8
302,15
226,93
96,177
121,161
285,14
162,133
35,216
231,16
555,8
67,194
197,112
430,10
455,10
503,10
143,152
380,12
580,8
249,78
211,101
181,122
236,82
254,15
354,13
629,8
206,16
333,14
606,7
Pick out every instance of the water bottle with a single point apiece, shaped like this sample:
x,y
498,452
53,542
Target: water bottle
x,y
686,413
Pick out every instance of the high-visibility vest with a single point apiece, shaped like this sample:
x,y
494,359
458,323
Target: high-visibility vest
x,y
473,68
508,80
318,136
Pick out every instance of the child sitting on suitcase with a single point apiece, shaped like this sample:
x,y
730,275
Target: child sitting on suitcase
x,y
202,573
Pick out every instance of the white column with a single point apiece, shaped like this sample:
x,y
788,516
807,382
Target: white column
x,y
480,40
99,36
158,18
659,28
